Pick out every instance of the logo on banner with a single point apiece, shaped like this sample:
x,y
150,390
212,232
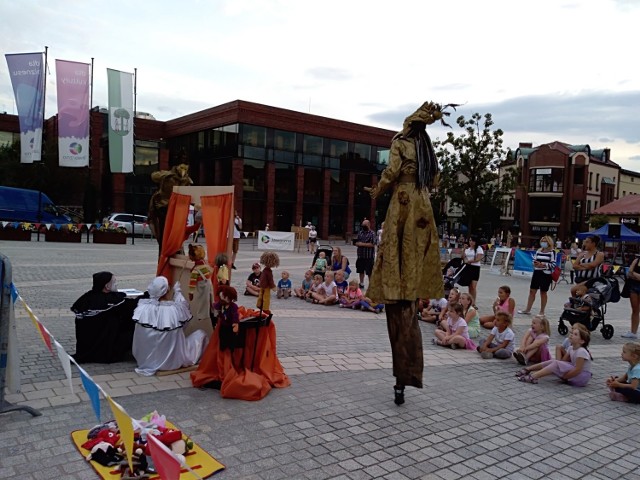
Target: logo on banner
x,y
75,148
265,239
120,121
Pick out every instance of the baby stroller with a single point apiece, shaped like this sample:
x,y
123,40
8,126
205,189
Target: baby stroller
x,y
451,273
328,252
600,291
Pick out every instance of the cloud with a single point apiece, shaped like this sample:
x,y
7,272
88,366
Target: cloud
x,y
329,73
597,115
635,157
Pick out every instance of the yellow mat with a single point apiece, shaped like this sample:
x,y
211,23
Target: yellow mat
x,y
203,464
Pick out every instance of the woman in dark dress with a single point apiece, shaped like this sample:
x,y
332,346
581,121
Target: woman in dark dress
x,y
104,329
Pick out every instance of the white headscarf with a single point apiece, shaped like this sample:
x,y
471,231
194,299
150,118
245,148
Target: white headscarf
x,y
158,287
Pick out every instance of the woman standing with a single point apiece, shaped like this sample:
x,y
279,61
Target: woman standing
x,y
472,257
587,263
407,266
632,285
574,251
543,264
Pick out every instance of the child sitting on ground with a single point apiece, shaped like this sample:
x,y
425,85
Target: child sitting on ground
x,y
454,297
574,368
504,303
341,284
501,340
561,349
457,334
534,347
284,286
327,292
321,264
315,288
353,296
432,309
366,304
470,315
627,387
307,281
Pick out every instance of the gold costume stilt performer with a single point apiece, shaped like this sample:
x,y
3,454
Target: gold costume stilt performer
x,y
407,266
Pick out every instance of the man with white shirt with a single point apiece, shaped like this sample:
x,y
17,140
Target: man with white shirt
x,y
237,228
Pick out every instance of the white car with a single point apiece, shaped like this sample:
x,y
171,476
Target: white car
x,y
125,220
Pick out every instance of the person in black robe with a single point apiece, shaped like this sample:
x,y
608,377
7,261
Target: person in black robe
x,y
104,325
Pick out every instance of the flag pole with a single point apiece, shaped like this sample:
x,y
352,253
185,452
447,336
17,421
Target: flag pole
x,y
44,99
90,109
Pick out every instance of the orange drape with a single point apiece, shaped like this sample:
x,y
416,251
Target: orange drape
x,y
216,216
239,381
174,230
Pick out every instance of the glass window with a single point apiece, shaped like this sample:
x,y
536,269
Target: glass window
x,y
546,180
362,151
338,148
339,187
313,180
254,136
312,145
253,179
285,183
597,182
383,157
283,140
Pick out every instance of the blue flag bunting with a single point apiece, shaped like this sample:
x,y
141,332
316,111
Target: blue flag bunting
x,y
14,292
92,390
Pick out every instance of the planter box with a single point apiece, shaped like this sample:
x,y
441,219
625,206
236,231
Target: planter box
x,y
109,237
58,236
15,234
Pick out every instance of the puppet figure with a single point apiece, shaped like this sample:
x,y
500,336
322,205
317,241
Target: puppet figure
x,y
166,180
226,312
269,260
200,287
407,266
222,262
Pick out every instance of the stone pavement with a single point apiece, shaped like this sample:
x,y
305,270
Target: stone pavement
x,y
337,420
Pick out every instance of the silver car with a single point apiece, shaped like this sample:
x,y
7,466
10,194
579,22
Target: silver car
x,y
125,220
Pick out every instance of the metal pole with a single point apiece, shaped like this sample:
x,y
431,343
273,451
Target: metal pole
x,y
5,314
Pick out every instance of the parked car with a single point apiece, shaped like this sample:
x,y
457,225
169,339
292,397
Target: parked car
x,y
33,206
125,220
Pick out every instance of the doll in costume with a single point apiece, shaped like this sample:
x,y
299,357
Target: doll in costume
x,y
222,261
269,260
200,287
226,312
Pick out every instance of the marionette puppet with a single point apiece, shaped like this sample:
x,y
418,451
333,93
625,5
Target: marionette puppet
x,y
269,260
200,287
222,262
226,311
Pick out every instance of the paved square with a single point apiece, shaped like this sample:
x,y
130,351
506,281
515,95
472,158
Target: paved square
x,y
337,420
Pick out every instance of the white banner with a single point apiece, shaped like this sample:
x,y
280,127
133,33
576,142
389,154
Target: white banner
x,y
120,121
270,240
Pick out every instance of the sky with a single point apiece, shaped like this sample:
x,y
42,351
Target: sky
x,y
546,70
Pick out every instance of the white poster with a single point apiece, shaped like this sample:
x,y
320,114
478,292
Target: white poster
x,y
270,240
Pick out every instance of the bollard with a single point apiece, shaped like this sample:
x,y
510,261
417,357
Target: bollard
x,y
5,314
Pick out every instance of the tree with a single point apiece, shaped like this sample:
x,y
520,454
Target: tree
x,y
598,220
469,165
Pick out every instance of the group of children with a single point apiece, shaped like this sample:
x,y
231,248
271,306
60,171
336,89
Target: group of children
x,y
457,324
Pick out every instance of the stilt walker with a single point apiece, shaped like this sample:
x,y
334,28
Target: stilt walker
x,y
407,266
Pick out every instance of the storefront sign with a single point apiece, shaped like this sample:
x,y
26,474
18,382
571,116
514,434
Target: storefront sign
x,y
544,229
629,220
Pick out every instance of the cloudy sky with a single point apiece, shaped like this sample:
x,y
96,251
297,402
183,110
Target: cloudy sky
x,y
547,70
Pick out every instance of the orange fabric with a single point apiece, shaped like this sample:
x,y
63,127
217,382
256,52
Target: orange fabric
x,y
217,211
174,229
240,382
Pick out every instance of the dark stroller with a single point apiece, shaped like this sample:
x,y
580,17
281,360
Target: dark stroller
x,y
451,273
600,290
328,252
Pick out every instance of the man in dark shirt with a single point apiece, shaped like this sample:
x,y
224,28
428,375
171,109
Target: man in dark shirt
x,y
366,243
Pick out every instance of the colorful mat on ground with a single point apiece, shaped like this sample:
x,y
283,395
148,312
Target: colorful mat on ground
x,y
198,460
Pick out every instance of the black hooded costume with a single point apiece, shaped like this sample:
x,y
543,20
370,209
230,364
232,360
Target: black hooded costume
x,y
104,328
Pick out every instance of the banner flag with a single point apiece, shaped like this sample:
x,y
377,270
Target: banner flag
x,y
27,78
125,425
166,463
120,121
73,80
44,333
66,363
271,240
92,391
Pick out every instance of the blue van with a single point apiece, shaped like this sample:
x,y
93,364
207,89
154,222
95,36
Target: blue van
x,y
33,206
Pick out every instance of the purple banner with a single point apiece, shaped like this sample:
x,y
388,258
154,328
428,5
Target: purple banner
x,y
73,82
27,77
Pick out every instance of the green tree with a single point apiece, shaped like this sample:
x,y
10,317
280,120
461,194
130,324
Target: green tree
x,y
597,221
469,163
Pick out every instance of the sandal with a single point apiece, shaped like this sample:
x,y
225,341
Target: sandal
x,y
522,372
528,379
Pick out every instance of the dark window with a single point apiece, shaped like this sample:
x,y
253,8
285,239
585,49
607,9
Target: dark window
x,y
313,180
284,146
546,180
285,183
253,179
312,151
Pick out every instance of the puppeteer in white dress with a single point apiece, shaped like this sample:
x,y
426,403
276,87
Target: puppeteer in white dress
x,y
159,342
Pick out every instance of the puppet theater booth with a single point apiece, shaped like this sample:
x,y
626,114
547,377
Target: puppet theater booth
x,y
246,373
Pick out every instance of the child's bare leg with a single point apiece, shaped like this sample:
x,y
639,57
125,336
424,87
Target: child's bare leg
x,y
459,340
559,352
440,334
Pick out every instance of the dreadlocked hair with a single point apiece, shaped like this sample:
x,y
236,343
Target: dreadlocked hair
x,y
426,157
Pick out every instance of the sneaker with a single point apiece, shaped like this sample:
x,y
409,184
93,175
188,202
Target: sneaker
x,y
524,312
233,266
630,335
519,356
486,355
454,346
361,285
434,341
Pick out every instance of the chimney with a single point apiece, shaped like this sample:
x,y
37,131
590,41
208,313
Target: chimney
x,y
525,145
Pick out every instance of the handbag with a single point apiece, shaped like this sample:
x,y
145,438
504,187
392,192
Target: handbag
x,y
626,290
555,275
